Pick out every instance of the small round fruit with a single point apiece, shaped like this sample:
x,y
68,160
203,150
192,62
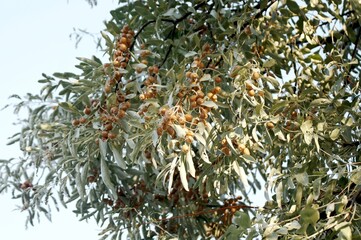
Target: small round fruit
x,y
107,88
121,113
255,75
108,127
218,79
188,117
185,148
112,135
123,47
142,96
75,122
91,179
270,125
105,134
189,139
246,152
251,92
200,101
87,111
241,147
82,120
217,90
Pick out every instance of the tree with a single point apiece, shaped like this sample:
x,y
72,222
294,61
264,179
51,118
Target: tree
x,y
201,104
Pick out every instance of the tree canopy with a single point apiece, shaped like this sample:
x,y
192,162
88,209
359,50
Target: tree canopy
x,y
200,105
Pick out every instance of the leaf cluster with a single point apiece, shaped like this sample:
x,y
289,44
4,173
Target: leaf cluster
x,y
200,105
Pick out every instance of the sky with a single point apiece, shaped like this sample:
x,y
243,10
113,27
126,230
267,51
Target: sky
x,y
35,40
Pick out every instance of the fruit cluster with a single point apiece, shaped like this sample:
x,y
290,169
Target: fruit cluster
x,y
114,105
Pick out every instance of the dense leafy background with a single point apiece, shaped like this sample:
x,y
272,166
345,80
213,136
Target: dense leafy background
x,y
201,103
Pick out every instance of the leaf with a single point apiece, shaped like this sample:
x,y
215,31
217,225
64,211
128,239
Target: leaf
x,y
183,175
243,220
309,215
200,139
307,130
80,185
345,233
171,173
105,173
279,193
118,157
269,63
302,178
190,54
241,173
181,132
335,134
210,104
204,156
68,107
356,176
293,6
190,164
316,188
320,101
91,62
293,225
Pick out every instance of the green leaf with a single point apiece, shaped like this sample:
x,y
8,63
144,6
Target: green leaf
x,y
309,215
243,220
105,172
293,6
69,107
269,63
302,178
118,156
320,101
356,176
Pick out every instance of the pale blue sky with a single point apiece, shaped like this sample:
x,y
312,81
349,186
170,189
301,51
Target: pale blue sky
x,y
35,40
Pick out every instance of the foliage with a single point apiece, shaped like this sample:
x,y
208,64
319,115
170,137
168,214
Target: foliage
x,y
202,104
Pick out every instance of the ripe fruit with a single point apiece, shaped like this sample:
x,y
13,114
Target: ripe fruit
x,y
75,122
194,75
181,120
246,152
108,127
185,148
107,88
255,75
87,111
159,131
123,47
214,98
226,151
112,135
200,101
218,79
121,113
105,134
82,120
251,92
142,96
114,110
188,117
189,139
241,147
270,125
217,90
